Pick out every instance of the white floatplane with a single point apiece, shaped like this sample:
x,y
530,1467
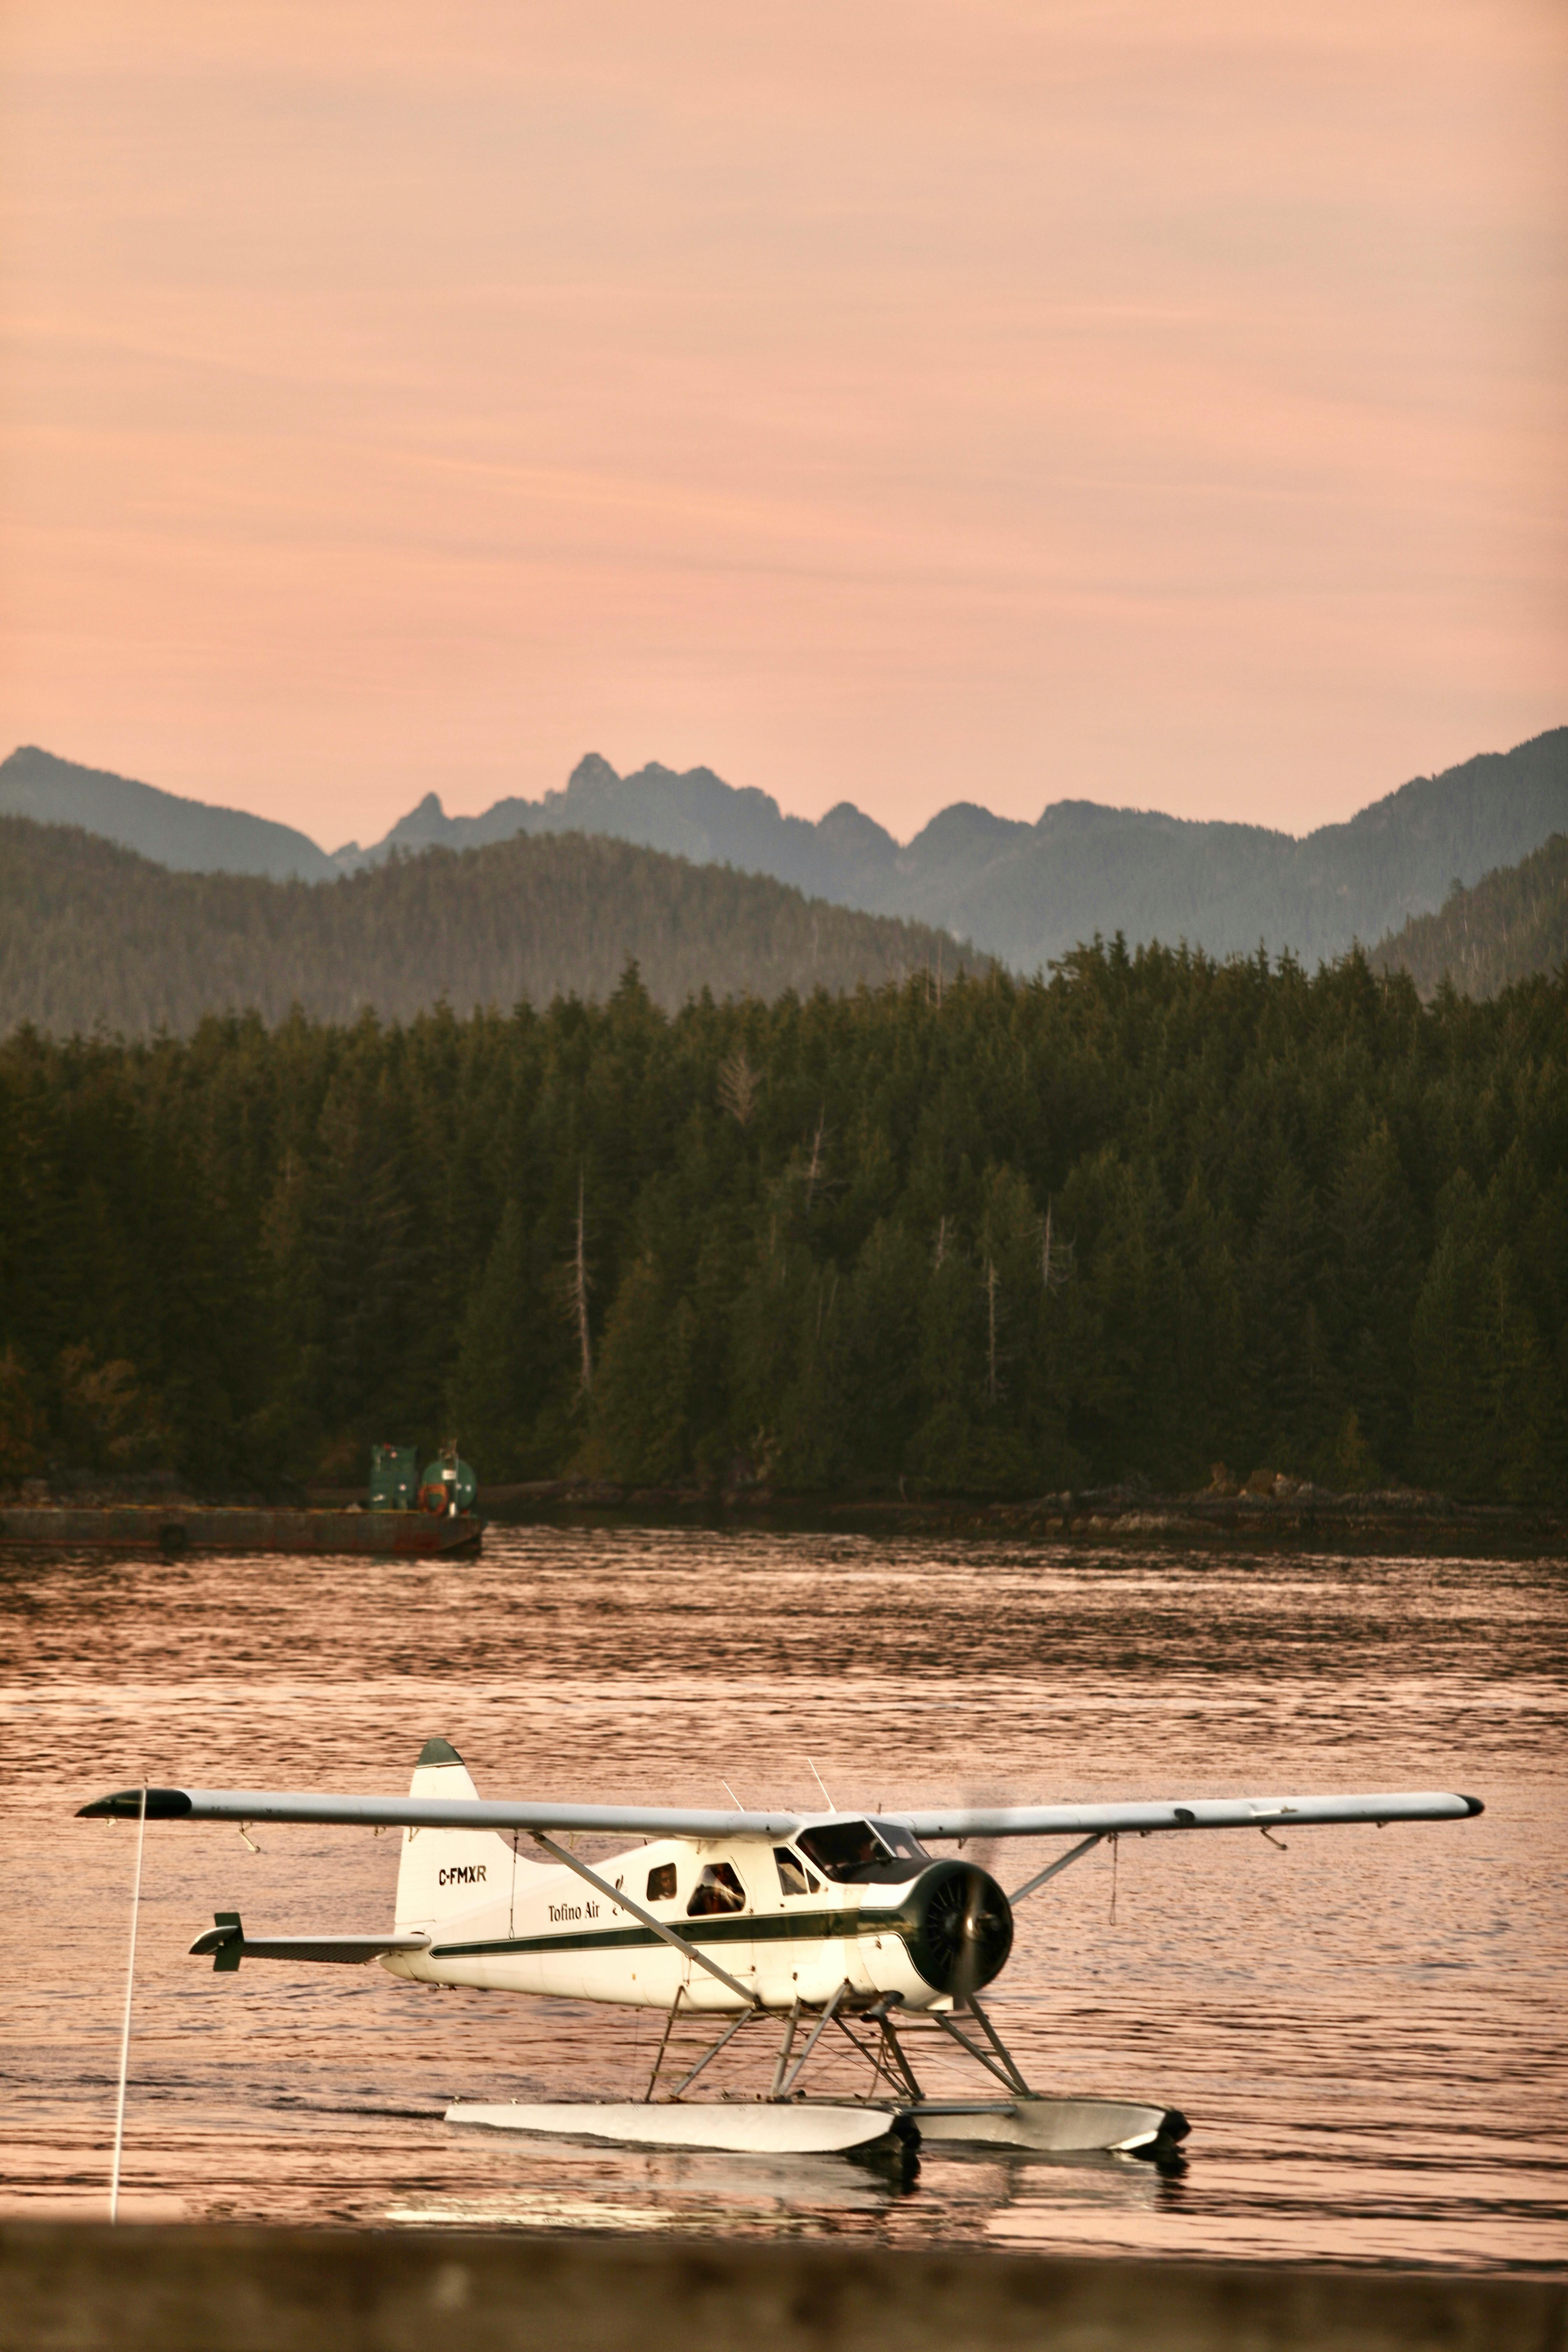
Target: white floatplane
x,y
841,1921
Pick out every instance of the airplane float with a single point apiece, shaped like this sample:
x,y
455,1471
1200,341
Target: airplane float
x,y
833,1924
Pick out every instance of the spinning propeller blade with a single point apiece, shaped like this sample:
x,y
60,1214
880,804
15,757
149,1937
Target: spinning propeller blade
x,y
983,1918
967,1973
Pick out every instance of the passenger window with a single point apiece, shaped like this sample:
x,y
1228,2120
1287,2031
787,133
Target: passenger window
x,y
661,1882
718,1889
794,1879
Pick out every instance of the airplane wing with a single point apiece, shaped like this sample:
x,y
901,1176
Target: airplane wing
x,y
1142,1817
253,1805
1146,1815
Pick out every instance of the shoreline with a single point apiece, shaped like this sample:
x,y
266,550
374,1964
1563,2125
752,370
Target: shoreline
x,y
332,1518
1309,1516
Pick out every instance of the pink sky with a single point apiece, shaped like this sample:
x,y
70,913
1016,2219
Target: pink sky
x,y
1003,401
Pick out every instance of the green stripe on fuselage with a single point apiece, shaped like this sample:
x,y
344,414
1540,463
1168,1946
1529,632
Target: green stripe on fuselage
x,y
776,1927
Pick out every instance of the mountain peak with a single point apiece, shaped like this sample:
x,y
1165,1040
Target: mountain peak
x,y
422,826
590,772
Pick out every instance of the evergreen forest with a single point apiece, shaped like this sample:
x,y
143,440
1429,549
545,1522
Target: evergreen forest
x,y
1144,1215
93,936
1514,922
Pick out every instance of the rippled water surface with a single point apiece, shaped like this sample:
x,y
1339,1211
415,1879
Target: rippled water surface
x,y
1366,2030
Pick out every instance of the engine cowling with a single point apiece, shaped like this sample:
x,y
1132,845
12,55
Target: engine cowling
x,y
957,1926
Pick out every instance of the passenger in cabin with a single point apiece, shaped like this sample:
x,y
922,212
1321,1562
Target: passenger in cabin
x,y
717,1890
661,1882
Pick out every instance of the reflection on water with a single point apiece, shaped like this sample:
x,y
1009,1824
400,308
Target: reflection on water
x,y
1366,2030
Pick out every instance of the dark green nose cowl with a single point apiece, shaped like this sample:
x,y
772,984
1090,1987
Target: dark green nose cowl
x,y
957,1926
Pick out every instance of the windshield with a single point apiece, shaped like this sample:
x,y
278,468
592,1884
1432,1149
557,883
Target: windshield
x,y
861,1854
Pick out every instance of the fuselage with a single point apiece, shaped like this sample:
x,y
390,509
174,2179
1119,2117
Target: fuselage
x,y
769,1914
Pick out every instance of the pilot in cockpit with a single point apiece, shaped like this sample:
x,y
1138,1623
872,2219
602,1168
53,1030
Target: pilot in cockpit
x,y
717,1890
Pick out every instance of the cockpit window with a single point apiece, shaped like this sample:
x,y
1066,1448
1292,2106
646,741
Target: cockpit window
x,y
661,1882
861,1854
838,1848
793,1877
718,1889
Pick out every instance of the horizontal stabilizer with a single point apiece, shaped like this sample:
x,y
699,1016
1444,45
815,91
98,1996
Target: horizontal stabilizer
x,y
227,1942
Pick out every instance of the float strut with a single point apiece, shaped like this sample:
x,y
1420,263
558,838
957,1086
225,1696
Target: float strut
x,y
784,2053
812,2039
1009,2080
668,2024
902,2058
887,2060
727,2035
997,2044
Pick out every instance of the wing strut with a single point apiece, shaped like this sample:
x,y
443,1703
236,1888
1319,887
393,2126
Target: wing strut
x,y
1051,1868
619,1899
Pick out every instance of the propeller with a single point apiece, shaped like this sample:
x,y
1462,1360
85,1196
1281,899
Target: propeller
x,y
980,1922
970,1923
979,1926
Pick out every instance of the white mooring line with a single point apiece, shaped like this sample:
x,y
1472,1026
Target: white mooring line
x,y
125,2026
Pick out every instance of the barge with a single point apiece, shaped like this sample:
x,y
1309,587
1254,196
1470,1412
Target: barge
x,y
170,1529
408,1518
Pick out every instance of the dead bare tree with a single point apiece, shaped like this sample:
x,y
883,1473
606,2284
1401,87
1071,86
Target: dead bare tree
x,y
1056,1258
813,1171
739,1087
581,1283
991,1330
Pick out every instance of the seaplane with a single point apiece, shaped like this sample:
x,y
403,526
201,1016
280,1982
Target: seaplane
x,y
821,1927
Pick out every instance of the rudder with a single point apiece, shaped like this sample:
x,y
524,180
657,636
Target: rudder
x,y
442,1872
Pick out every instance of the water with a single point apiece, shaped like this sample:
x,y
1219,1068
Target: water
x,y
1366,2030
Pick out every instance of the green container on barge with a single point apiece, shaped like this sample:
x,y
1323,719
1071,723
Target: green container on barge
x,y
408,1518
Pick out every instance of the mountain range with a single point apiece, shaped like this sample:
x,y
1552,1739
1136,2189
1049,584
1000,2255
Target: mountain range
x,y
1024,892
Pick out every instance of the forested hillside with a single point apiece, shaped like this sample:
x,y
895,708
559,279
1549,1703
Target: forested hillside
x,y
93,936
1153,1214
1514,922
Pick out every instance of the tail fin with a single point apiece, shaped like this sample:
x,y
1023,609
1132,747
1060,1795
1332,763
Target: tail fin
x,y
443,1871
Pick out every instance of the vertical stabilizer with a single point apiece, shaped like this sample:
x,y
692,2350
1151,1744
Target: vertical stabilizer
x,y
443,1871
